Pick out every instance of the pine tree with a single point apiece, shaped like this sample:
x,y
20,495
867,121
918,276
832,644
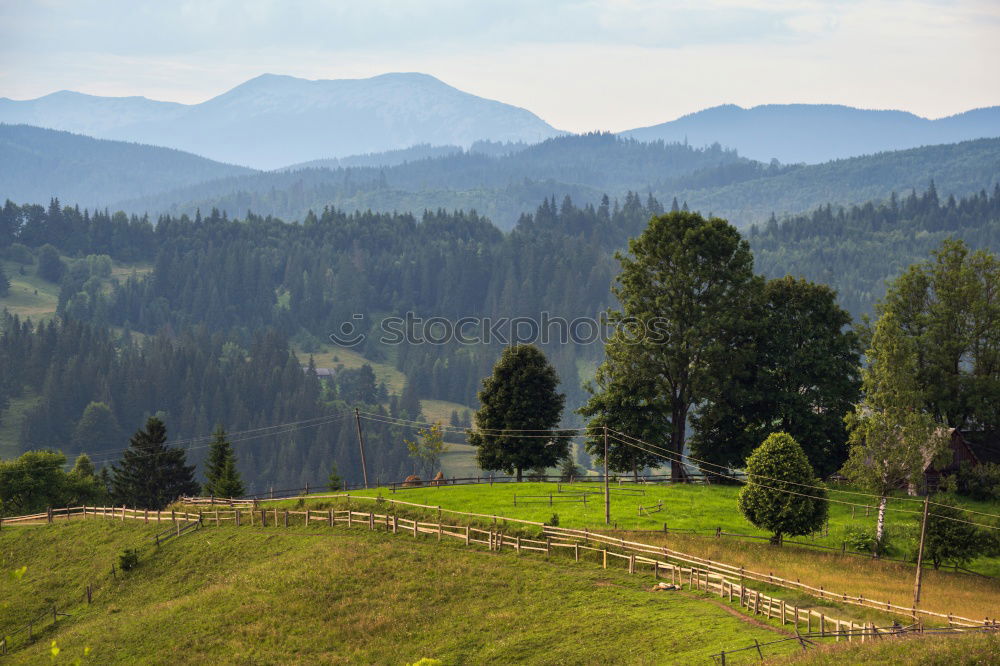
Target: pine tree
x,y
151,474
4,282
223,479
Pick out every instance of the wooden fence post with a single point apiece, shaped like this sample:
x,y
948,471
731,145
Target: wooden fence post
x,y
371,523
145,515
605,561
286,517
576,552
263,517
329,517
237,517
631,564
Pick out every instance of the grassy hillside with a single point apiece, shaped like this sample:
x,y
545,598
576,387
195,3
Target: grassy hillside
x,y
312,595
974,650
696,507
29,295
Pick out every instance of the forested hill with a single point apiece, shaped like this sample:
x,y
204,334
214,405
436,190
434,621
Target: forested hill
x,y
857,249
497,183
502,187
225,296
38,164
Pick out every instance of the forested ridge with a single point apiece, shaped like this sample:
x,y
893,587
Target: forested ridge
x,y
857,249
203,331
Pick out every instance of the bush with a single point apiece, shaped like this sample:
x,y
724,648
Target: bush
x,y
50,265
774,497
978,482
128,559
554,520
862,540
20,254
949,540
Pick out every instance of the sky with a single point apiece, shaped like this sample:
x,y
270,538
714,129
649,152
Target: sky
x,y
579,64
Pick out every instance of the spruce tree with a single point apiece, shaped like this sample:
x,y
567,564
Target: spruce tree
x,y
4,282
223,479
151,474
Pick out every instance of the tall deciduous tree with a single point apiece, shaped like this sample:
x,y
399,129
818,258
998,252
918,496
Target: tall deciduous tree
x,y
151,474
802,378
775,497
891,435
949,309
624,401
686,288
518,404
222,477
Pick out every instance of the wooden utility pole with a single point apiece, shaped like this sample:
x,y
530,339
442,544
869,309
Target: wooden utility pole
x,y
607,493
361,444
920,554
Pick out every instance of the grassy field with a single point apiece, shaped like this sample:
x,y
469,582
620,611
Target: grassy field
x,y
705,508
330,356
29,296
975,650
315,595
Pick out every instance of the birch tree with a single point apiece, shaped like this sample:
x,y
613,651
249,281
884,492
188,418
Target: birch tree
x,y
891,435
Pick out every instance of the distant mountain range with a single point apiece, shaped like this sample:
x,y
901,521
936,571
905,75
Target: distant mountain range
x,y
275,121
38,164
272,121
814,133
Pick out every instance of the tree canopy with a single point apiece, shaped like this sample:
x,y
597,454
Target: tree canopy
x,y
519,405
151,474
775,497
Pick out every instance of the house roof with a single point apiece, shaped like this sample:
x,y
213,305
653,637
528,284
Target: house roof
x,y
985,444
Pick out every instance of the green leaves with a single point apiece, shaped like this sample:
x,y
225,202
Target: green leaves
x,y
520,395
775,497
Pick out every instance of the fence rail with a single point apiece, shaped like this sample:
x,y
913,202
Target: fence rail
x,y
724,573
732,572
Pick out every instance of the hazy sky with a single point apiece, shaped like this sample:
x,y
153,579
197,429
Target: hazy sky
x,y
580,65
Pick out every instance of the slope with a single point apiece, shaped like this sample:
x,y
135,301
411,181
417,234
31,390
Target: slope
x,y
38,164
311,595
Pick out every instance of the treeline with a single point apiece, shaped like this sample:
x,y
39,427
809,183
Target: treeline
x,y
500,184
306,280
94,388
856,249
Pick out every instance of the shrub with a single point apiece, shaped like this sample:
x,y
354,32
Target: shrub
x,y
978,482
50,265
554,520
948,540
774,498
862,540
128,559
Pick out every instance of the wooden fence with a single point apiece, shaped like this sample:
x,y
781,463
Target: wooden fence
x,y
713,576
732,573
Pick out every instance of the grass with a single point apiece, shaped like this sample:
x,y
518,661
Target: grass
x,y
330,356
29,296
315,595
927,650
705,508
